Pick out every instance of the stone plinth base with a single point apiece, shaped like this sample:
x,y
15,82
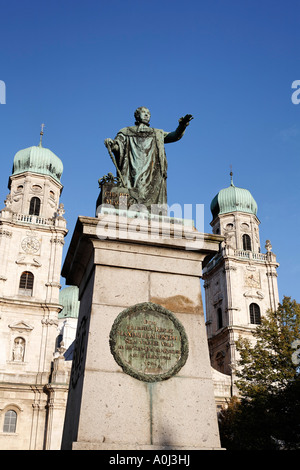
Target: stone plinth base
x,y
117,267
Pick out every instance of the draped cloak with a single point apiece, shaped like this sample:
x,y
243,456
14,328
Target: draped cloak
x,y
142,161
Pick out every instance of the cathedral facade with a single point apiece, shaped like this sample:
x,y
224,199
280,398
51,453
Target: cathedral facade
x,y
38,319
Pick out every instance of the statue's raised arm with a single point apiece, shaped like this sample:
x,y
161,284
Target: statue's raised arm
x,y
178,133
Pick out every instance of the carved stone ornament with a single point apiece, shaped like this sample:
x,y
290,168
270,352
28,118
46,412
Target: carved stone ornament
x,y
23,260
252,279
18,350
5,233
61,210
57,240
21,327
8,201
49,322
254,295
268,246
148,342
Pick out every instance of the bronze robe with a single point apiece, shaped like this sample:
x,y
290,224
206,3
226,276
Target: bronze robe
x,y
142,161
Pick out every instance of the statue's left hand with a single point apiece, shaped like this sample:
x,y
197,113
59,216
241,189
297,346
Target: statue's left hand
x,y
108,142
186,119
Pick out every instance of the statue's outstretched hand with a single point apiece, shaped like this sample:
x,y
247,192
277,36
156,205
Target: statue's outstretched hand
x,y
186,119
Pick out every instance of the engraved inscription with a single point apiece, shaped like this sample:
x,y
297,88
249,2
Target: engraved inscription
x,y
148,342
113,198
147,345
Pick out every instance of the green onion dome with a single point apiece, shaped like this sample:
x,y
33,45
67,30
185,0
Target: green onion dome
x,y
38,159
233,199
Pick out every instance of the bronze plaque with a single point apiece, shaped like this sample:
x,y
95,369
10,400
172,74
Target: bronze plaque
x,y
112,195
149,342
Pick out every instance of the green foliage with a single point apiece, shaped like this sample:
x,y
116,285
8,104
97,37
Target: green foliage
x,y
266,366
267,415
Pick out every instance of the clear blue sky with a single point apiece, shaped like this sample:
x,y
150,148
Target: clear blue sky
x,y
82,68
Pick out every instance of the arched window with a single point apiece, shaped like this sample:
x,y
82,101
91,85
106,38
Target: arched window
x,y
26,283
254,314
220,318
35,205
10,421
246,242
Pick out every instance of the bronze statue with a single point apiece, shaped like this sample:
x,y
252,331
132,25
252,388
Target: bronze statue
x,y
139,155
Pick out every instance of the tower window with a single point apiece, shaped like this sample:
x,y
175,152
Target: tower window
x,y
255,318
26,283
246,242
10,421
219,318
35,205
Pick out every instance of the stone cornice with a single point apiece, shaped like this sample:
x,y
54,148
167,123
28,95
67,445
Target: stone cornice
x,y
151,234
36,304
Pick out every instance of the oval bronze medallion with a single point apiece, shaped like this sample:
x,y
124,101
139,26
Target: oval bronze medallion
x,y
149,342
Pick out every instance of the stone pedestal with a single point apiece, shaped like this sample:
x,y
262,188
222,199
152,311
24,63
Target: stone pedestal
x,y
118,263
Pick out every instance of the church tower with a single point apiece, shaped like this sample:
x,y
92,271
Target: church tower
x,y
240,281
32,231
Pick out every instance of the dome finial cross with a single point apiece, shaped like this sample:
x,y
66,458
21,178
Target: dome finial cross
x,y
41,134
231,175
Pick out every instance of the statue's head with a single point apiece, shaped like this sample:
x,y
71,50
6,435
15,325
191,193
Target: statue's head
x,y
143,115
